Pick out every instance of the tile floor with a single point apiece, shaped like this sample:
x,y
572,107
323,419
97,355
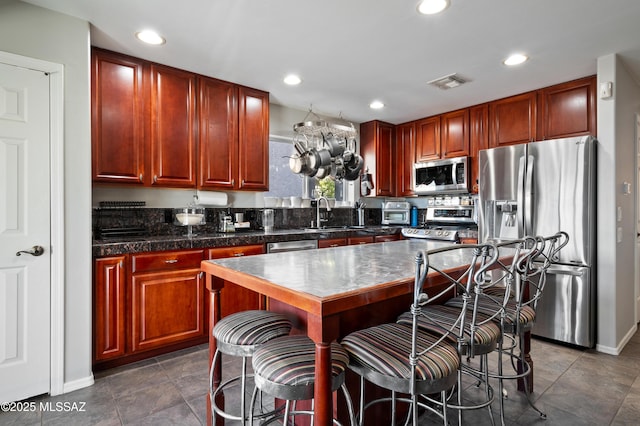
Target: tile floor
x,y
574,387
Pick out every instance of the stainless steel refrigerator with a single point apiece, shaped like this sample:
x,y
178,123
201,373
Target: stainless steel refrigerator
x,y
541,188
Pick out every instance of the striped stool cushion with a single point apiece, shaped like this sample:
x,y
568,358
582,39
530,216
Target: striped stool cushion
x,y
440,317
489,305
250,328
290,361
385,348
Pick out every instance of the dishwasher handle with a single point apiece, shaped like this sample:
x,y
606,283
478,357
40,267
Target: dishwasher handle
x,y
292,246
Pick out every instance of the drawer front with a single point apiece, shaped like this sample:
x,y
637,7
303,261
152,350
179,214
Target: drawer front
x,y
332,242
222,252
360,240
167,260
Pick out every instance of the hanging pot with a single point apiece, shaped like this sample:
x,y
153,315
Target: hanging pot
x,y
335,147
337,169
353,168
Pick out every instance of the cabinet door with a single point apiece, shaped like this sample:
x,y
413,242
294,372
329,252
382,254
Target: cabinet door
x,y
376,148
513,120
218,133
568,109
234,298
118,115
478,138
253,155
455,134
109,298
173,121
167,307
428,139
405,154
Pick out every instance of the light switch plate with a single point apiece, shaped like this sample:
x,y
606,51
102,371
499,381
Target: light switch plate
x,y
606,90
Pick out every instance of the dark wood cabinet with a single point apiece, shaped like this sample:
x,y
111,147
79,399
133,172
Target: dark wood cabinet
x,y
454,134
218,134
405,158
109,308
478,140
567,109
234,298
376,148
234,136
332,242
155,125
167,300
428,145
173,124
118,118
360,240
513,120
253,129
389,237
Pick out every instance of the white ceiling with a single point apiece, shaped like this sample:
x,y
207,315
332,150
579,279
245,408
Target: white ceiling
x,y
349,53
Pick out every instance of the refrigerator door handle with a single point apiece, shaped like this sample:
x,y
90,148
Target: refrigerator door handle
x,y
520,196
528,191
558,270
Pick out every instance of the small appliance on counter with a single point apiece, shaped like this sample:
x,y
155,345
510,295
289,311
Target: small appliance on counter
x,y
396,213
189,217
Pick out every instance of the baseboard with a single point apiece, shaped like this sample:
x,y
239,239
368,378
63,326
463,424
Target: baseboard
x,y
78,384
618,349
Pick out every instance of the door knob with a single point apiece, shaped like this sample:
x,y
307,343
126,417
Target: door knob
x,y
35,251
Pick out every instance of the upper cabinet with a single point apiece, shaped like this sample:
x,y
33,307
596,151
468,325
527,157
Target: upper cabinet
x,y
428,139
118,118
567,109
218,138
253,113
454,131
160,126
173,124
376,148
404,151
512,120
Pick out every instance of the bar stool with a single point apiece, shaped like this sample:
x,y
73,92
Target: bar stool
x,y
240,334
285,369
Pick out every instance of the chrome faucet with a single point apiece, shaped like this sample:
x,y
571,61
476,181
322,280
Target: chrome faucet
x,y
318,220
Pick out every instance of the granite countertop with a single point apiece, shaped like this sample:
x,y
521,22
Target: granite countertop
x,y
341,270
123,245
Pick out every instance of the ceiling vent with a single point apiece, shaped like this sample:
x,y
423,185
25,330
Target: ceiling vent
x,y
448,82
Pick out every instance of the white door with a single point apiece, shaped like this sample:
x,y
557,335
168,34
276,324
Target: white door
x,y
24,224
638,218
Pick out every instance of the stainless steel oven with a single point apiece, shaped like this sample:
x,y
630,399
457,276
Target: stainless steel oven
x,y
446,176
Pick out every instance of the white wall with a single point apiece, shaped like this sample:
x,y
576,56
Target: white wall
x,y
616,165
39,33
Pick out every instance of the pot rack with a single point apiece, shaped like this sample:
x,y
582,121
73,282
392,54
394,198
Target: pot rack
x,y
310,139
309,132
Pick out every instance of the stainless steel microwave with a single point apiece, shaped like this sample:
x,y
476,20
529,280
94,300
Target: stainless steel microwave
x,y
447,176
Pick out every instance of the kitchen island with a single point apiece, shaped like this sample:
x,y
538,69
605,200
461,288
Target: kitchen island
x,y
324,287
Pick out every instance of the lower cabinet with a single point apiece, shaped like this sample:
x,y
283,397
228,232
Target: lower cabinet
x,y
332,242
361,240
109,313
145,302
234,298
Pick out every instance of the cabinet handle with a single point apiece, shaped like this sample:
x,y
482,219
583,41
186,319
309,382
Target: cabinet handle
x,y
140,177
242,183
171,261
238,254
121,264
363,242
155,178
233,182
333,245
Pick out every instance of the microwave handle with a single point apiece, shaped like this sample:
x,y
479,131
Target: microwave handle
x,y
453,173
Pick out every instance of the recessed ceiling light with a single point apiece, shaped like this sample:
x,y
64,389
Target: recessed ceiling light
x,y
376,105
292,80
515,59
431,7
150,37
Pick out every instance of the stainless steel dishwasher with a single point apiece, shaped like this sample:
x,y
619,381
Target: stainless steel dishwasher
x,y
292,246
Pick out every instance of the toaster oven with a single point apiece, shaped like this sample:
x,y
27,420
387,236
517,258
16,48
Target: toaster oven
x,y
396,213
